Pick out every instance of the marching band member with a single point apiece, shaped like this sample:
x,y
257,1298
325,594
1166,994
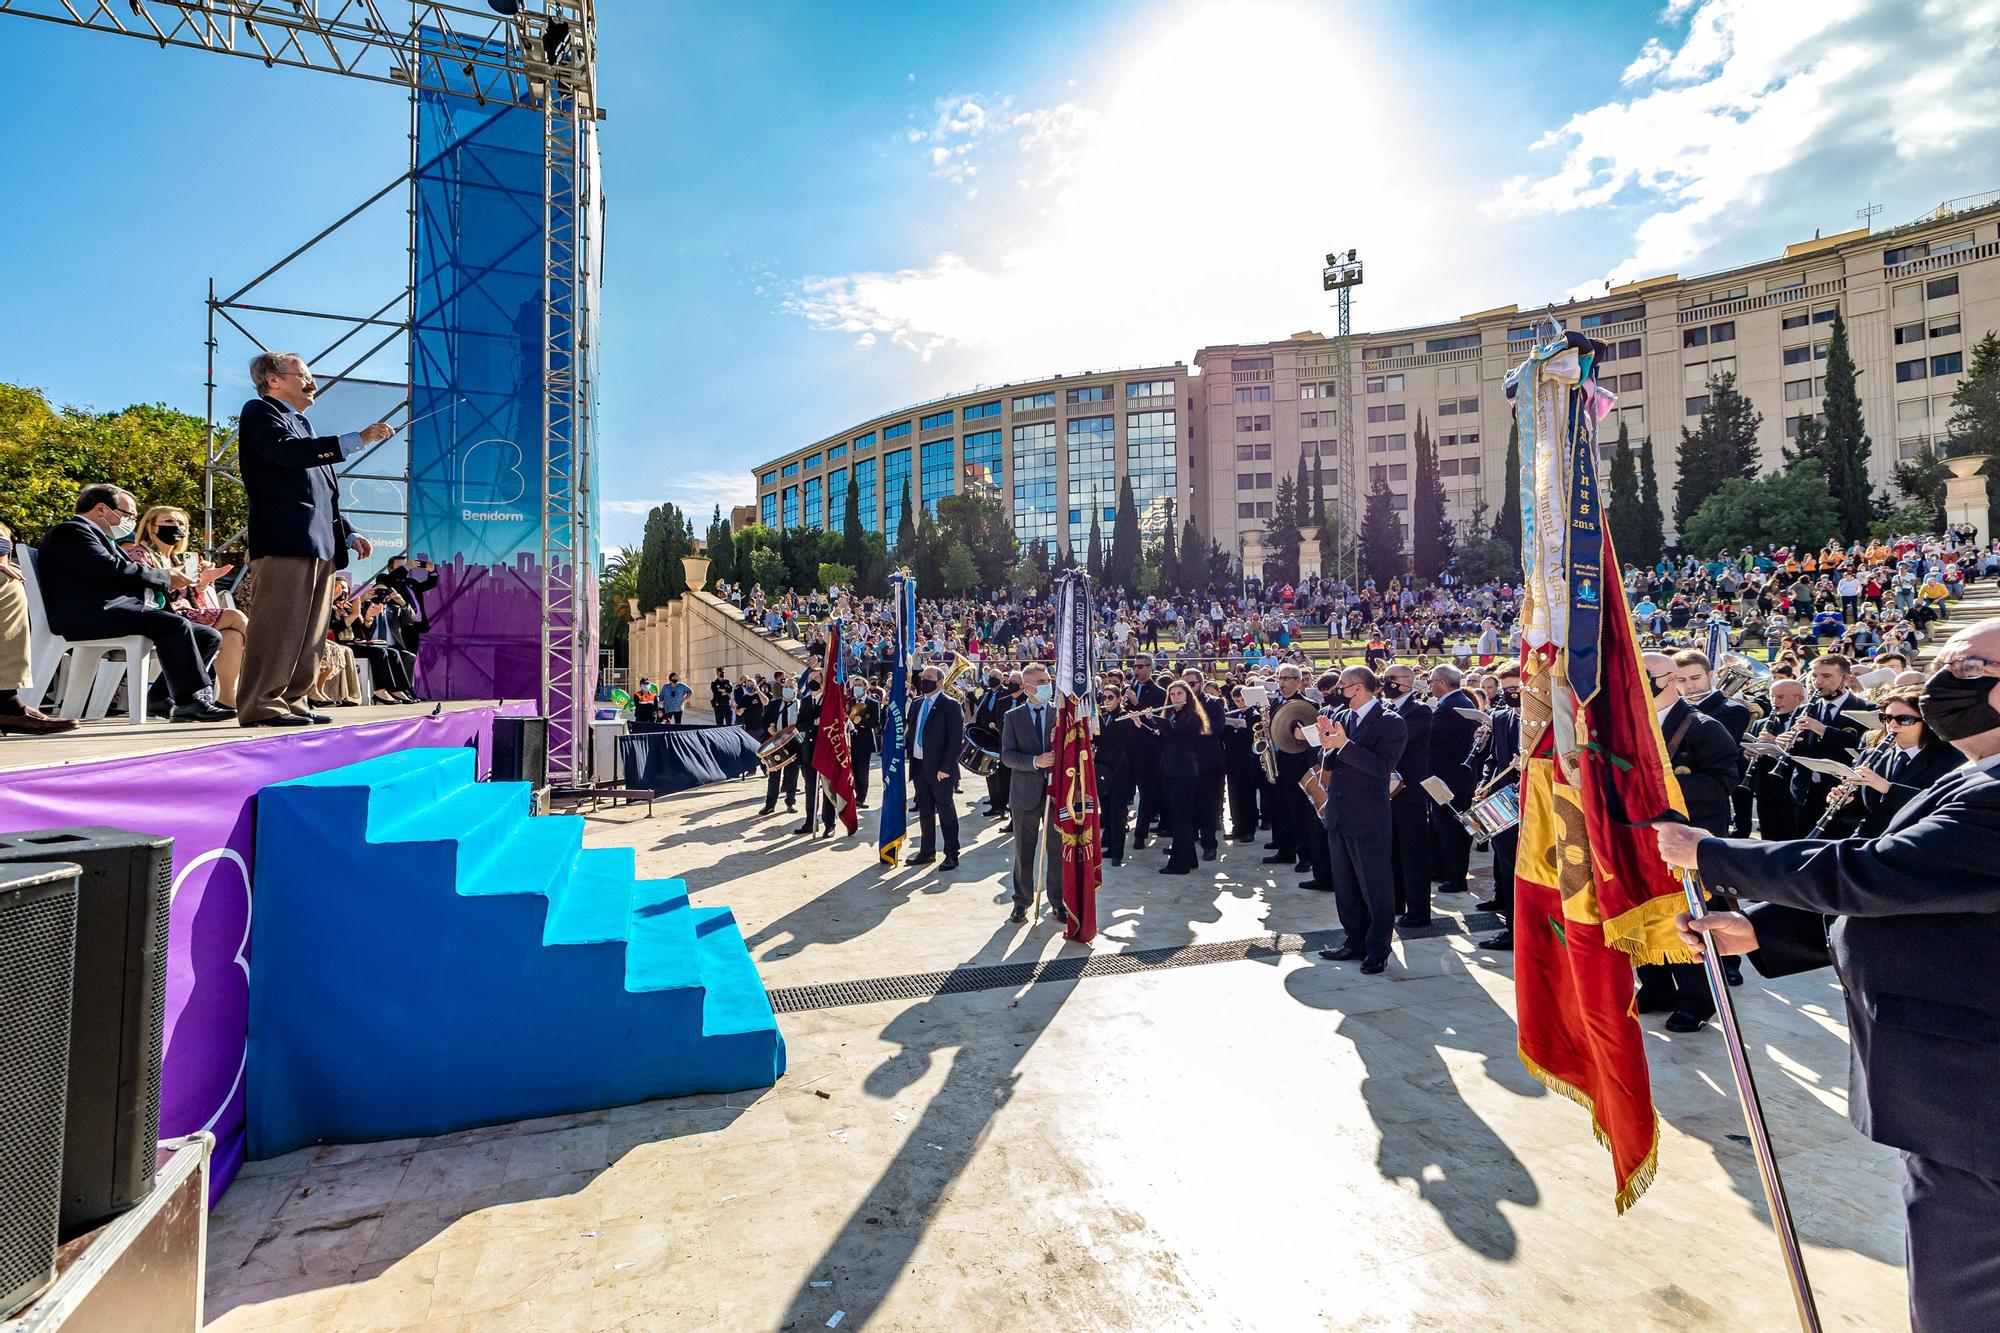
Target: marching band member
x,y
1409,805
1451,750
984,729
866,713
1209,761
819,796
936,734
1242,774
1116,734
1184,737
1824,729
1916,757
1145,692
1498,752
1362,743
782,713
1769,778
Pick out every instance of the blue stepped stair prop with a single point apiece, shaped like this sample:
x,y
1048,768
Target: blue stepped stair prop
x,y
428,957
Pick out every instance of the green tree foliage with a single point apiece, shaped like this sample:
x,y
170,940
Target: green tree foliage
x,y
1974,427
1844,447
984,528
1038,556
1170,559
47,455
767,571
1094,561
721,550
1487,559
960,574
1722,446
1920,481
833,574
1430,531
1193,564
1381,537
1318,519
1121,567
652,576
1507,524
1650,537
851,552
1621,508
616,587
799,549
871,577
1790,506
927,556
1281,535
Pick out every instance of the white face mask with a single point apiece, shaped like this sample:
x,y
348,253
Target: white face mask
x,y
1044,692
123,529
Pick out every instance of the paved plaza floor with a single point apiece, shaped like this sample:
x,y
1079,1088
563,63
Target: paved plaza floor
x,y
1271,1142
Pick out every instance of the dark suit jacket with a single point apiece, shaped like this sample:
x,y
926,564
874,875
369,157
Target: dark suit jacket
x,y
83,574
1916,932
1706,763
1728,712
1357,798
1451,745
1020,742
1841,741
288,481
1502,746
1930,764
943,738
1415,765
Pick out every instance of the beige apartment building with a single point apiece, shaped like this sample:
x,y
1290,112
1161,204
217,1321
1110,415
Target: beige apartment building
x,y
1217,437
1054,451
1915,299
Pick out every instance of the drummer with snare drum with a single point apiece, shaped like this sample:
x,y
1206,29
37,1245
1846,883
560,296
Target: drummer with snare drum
x,y
982,736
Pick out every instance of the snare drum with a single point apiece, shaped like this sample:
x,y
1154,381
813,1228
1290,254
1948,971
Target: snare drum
x,y
1496,813
976,759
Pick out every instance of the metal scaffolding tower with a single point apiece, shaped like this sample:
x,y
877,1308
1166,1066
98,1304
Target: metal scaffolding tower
x,y
542,58
1341,276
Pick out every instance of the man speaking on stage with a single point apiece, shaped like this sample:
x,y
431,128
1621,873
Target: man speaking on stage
x,y
1911,922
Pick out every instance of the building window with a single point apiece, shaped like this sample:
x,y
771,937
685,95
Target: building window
x,y
771,510
1452,344
1792,424
815,509
981,463
1446,408
1309,420
1939,287
1447,467
1624,315
1034,473
791,469
1398,443
1253,481
836,498
1797,356
1694,337
1909,370
896,432
1946,326
937,419
1521,333
1387,350
1378,444
1722,333
1909,333
1151,452
1697,405
1245,509
768,479
1819,351
836,452
1632,382
1948,364
1150,389
1250,363
791,507
1794,319
980,411
1309,391
1090,393
1913,410
1253,393
939,469
864,493
1034,402
864,442
1256,423
895,481
1824,314
1093,471
1402,499
1795,390
809,462
1903,254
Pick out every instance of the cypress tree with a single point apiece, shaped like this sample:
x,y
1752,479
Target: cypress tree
x,y
1621,508
1721,447
1094,562
853,552
906,528
1194,565
1121,569
1281,534
1844,453
1381,537
1430,533
721,550
652,561
1651,533
1507,527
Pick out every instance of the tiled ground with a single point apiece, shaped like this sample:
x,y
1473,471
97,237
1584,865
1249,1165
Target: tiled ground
x,y
1254,1145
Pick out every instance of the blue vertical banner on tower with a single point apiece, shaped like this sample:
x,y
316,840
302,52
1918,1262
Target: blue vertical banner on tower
x,y
895,813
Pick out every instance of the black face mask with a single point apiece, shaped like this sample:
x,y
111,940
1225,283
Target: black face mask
x,y
925,685
1392,690
171,535
1956,708
1513,697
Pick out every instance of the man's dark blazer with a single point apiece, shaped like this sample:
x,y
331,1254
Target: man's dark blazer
x,y
944,734
1706,763
1451,745
1502,746
288,481
1928,766
1357,797
1415,765
1841,741
1915,930
1728,712
83,573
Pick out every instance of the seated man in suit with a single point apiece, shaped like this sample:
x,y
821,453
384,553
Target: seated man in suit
x,y
93,590
1362,743
936,734
1911,923
16,655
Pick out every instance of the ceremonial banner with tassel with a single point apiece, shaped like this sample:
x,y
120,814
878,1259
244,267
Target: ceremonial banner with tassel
x,y
832,759
1073,779
894,818
1591,896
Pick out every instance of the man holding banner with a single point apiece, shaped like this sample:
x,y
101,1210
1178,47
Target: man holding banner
x,y
895,817
832,761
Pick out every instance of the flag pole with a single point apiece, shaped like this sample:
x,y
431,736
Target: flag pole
x,y
1753,1118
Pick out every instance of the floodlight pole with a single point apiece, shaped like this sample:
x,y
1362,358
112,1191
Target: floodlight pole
x,y
1341,276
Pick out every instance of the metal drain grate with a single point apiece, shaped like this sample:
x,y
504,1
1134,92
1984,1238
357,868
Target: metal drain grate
x,y
1012,976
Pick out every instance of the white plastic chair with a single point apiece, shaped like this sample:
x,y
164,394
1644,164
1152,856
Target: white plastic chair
x,y
82,693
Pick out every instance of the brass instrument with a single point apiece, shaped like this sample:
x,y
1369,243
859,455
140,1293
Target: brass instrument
x,y
1739,677
960,667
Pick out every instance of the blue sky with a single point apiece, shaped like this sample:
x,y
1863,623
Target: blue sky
x,y
817,213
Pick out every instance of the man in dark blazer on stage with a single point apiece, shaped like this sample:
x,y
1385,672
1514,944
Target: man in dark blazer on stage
x,y
1363,743
297,538
1911,923
936,734
1452,735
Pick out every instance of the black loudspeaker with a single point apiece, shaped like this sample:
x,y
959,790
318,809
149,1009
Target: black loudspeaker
x,y
120,1012
37,969
521,750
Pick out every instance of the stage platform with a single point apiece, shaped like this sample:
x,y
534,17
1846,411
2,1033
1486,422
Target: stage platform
x,y
116,738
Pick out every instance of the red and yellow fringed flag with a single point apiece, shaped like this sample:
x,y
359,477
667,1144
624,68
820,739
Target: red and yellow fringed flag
x,y
832,758
1073,778
1591,896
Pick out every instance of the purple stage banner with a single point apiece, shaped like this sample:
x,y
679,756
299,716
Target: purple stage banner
x,y
201,798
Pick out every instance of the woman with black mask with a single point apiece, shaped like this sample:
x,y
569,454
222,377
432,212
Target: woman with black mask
x,y
1114,771
1183,733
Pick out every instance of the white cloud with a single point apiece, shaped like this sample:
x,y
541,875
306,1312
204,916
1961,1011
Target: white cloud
x,y
696,493
1189,200
629,506
1750,96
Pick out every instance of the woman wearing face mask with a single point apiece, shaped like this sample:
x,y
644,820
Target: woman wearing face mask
x,y
161,540
1910,758
1114,770
1183,733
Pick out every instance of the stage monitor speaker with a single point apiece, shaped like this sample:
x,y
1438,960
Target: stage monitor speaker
x,y
521,750
37,971
120,1006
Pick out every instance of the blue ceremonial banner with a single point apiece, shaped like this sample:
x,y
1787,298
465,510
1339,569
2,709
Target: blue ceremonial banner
x,y
895,812
1585,565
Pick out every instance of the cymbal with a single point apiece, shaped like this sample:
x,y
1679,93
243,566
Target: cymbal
x,y
1285,722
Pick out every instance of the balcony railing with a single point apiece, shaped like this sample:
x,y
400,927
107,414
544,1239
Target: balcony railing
x,y
1970,254
1811,291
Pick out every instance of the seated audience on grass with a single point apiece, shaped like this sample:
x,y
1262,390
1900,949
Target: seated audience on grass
x,y
16,659
162,542
93,590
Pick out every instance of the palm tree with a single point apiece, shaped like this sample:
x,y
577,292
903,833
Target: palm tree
x,y
618,584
